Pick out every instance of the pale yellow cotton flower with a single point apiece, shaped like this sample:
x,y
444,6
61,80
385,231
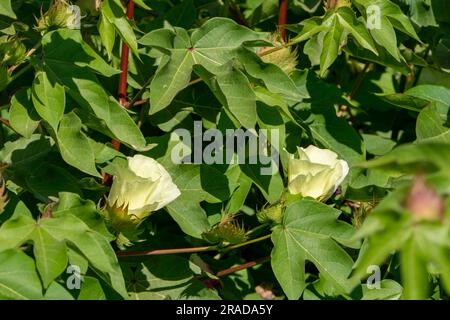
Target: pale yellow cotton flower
x,y
137,191
315,173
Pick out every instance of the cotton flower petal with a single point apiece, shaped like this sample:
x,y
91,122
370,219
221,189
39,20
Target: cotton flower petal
x,y
315,173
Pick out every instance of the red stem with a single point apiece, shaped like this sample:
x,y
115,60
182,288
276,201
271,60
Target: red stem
x,y
122,81
242,266
164,251
124,61
282,19
5,122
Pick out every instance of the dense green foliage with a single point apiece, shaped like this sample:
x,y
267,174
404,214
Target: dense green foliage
x,y
368,80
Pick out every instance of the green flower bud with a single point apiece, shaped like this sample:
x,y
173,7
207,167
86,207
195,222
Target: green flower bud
x,y
60,15
271,214
12,51
285,58
119,219
423,202
228,231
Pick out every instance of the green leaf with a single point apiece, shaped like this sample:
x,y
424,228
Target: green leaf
x,y
69,59
430,93
57,292
212,45
165,278
186,209
86,210
386,37
239,96
357,29
380,246
393,12
413,271
45,180
383,58
23,117
142,4
170,79
239,196
113,11
66,46
91,244
270,185
74,145
6,9
18,277
422,12
309,232
50,254
273,77
107,34
405,101
16,230
91,289
336,134
377,145
430,126
389,290
21,152
306,29
49,99
331,44
411,157
50,236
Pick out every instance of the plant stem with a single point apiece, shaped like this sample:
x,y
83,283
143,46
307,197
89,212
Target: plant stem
x,y
124,61
282,19
122,81
188,250
27,55
262,226
141,91
242,266
359,81
124,69
267,236
5,122
166,251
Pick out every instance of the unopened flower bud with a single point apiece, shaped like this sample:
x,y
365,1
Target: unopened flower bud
x,y
271,214
285,58
423,202
60,15
12,51
228,231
